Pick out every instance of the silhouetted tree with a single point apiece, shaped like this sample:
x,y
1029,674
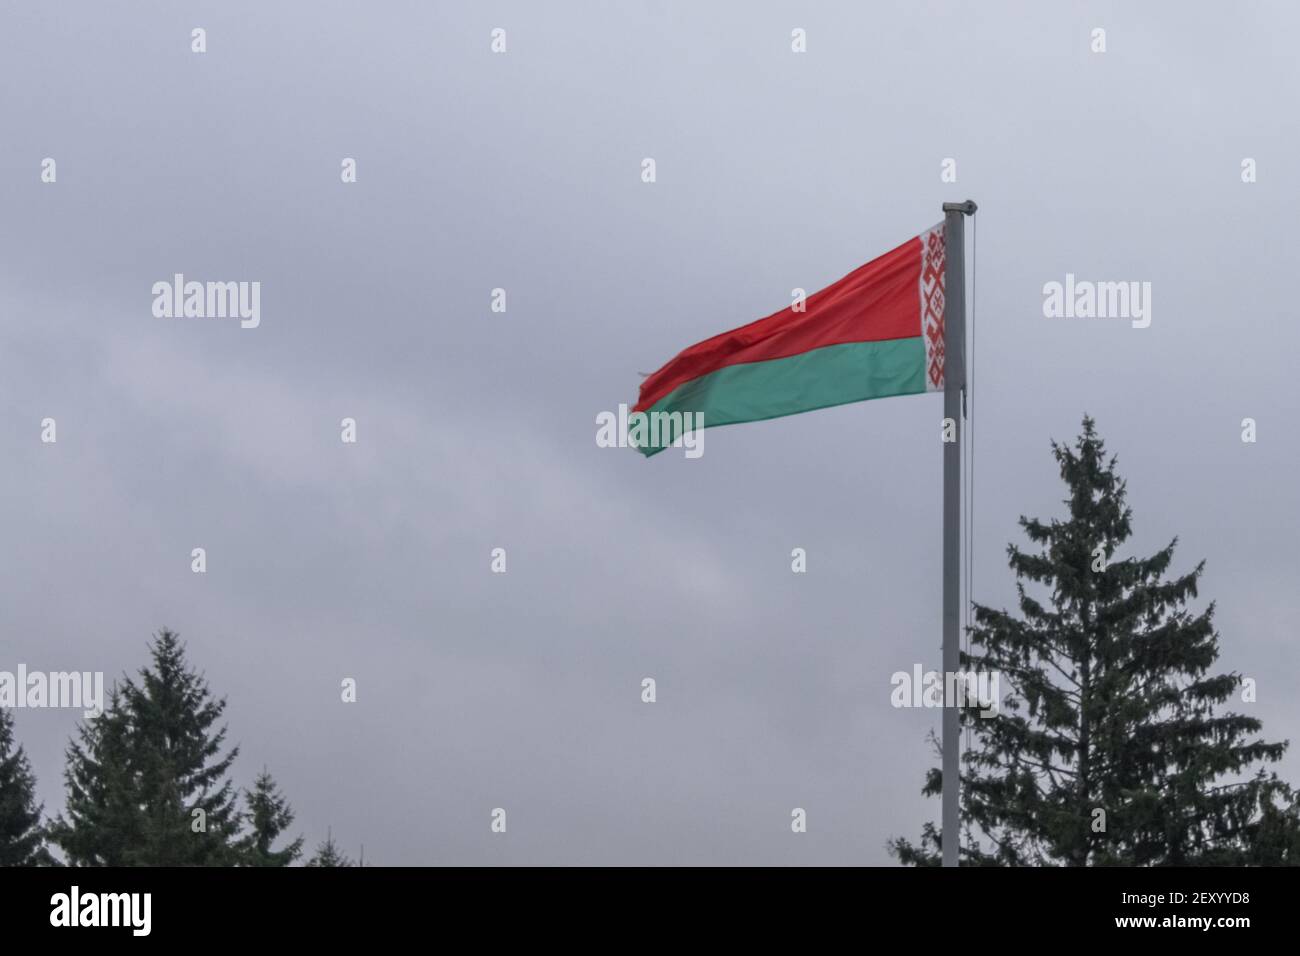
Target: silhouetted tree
x,y
147,782
22,837
268,815
328,854
1111,747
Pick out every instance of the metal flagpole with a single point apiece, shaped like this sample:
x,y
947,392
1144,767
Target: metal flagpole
x,y
954,385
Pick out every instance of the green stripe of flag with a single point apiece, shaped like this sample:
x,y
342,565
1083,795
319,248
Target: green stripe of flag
x,y
819,378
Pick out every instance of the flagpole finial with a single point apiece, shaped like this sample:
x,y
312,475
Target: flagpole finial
x,y
968,207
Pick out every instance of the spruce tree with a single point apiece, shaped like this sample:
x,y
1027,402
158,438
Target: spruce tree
x,y
147,782
102,822
22,837
268,815
328,854
1112,745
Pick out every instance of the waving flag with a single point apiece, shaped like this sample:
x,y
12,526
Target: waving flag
x,y
876,332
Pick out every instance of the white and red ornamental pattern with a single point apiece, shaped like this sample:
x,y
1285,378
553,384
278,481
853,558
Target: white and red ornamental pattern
x,y
933,248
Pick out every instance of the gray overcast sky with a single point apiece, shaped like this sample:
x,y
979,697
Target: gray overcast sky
x,y
476,430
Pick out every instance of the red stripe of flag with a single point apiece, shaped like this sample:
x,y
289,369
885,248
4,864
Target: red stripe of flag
x,y
875,302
